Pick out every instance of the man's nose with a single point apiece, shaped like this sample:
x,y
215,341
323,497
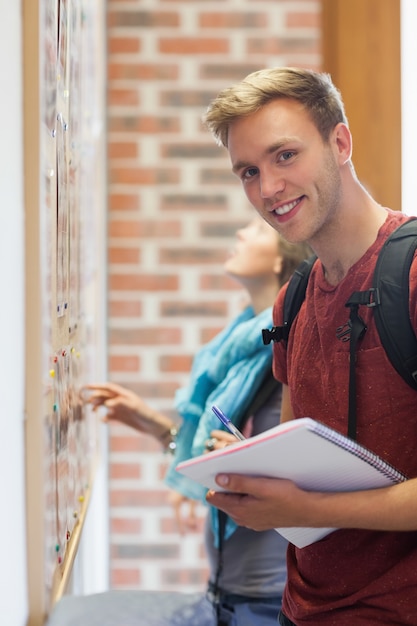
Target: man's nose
x,y
271,184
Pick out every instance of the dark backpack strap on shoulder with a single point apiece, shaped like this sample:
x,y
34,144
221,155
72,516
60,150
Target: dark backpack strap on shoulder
x,y
293,300
392,317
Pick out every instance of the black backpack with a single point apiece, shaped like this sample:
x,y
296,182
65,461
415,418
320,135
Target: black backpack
x,y
389,298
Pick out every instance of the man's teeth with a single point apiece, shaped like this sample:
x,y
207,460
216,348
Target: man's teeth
x,y
286,208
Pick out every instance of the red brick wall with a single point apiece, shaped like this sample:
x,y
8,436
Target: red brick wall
x,y
173,210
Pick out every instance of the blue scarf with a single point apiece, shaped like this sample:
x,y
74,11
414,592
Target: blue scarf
x,y
228,372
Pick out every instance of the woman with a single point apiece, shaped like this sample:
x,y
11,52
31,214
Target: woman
x,y
247,569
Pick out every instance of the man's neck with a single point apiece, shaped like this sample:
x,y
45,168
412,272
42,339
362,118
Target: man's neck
x,y
347,240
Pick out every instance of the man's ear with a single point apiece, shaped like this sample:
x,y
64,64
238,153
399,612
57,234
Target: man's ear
x,y
342,141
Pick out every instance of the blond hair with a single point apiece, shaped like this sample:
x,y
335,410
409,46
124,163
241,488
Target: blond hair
x,y
292,255
314,90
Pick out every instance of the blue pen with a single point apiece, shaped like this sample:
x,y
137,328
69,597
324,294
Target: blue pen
x,y
225,420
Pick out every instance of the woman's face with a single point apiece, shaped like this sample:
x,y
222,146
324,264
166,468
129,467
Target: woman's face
x,y
256,253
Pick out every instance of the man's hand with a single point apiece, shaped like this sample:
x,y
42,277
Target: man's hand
x,y
261,503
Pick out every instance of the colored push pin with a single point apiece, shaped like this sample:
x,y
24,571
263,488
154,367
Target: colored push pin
x,y
52,373
80,498
75,514
57,547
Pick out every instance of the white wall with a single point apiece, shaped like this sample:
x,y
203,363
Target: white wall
x,y
13,600
409,104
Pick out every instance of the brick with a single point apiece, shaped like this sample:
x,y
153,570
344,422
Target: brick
x,y
207,334
125,228
145,228
192,97
233,19
125,471
180,363
193,45
131,440
122,97
123,45
128,443
193,202
124,255
145,336
143,176
221,229
143,282
189,255
137,498
214,282
302,20
282,45
124,308
146,551
189,151
123,526
147,19
125,363
145,124
159,390
193,309
123,202
169,526
141,71
210,176
122,150
124,578
229,72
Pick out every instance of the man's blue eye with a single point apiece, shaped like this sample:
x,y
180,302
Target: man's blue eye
x,y
251,171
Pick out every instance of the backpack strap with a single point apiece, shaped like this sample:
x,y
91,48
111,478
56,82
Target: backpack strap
x,y
293,299
389,298
392,288
357,330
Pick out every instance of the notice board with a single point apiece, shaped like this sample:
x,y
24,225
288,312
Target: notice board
x,y
65,211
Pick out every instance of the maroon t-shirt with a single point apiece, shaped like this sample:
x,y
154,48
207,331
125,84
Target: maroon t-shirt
x,y
351,576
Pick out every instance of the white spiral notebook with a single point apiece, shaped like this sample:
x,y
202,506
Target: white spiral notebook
x,y
314,456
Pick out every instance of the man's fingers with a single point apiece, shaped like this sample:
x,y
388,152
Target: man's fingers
x,y
239,483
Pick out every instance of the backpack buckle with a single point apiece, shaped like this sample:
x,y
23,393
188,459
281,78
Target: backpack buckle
x,y
374,297
275,334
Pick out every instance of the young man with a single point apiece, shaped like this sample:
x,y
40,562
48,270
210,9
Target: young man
x,y
289,143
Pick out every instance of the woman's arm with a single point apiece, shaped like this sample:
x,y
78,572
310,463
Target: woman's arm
x,y
127,407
